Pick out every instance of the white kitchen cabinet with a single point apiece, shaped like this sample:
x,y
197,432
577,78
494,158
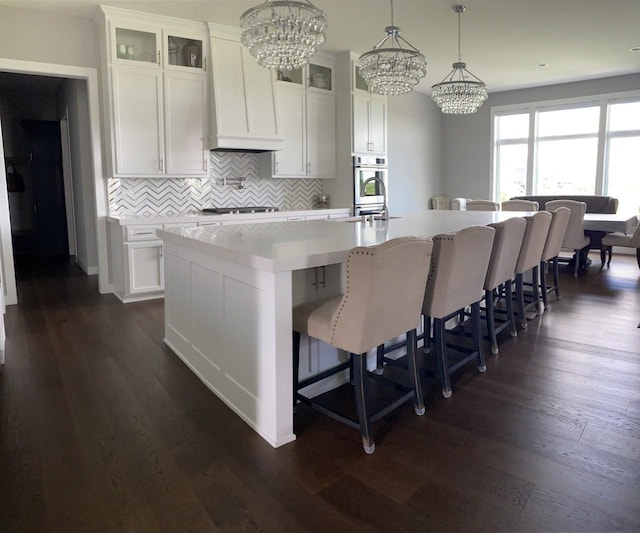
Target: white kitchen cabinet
x,y
369,119
244,109
156,94
137,121
306,115
144,272
185,111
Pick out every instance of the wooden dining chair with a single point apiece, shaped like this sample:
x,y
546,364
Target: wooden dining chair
x,y
620,239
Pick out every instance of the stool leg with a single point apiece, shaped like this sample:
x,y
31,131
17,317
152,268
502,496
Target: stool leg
x,y
543,283
441,357
609,252
477,333
637,256
576,264
535,286
509,302
603,256
380,359
426,346
359,364
296,365
491,321
556,277
418,399
520,301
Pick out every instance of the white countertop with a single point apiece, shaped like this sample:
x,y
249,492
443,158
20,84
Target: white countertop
x,y
179,218
285,246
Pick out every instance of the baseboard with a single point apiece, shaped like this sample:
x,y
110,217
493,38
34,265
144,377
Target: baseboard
x,y
88,270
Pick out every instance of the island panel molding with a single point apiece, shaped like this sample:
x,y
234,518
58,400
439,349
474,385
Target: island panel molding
x,y
157,196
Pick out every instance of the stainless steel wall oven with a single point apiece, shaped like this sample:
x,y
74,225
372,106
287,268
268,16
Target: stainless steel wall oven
x,y
370,184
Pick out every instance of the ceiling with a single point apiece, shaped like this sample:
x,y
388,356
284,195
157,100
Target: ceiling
x,y
504,42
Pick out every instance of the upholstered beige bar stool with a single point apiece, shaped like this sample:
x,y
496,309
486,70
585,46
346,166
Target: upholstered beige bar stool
x,y
520,205
482,205
459,204
574,238
501,273
551,251
384,292
458,270
535,237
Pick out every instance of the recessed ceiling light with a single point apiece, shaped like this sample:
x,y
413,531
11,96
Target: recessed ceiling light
x,y
541,65
634,49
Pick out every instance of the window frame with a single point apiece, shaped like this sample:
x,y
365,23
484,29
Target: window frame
x,y
532,109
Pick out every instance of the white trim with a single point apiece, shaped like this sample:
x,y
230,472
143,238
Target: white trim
x,y
7,270
99,184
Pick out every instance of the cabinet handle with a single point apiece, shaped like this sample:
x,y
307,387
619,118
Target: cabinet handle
x,y
161,250
277,166
205,165
309,167
162,165
324,278
315,276
205,64
158,57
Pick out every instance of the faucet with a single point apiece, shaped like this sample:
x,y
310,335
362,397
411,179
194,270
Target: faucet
x,y
385,208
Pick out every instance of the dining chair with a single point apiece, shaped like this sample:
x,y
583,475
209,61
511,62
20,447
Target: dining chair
x,y
382,300
501,273
535,237
520,205
440,202
459,204
620,239
458,270
482,205
557,229
574,238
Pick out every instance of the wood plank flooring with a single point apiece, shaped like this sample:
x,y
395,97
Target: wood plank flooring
x,y
102,428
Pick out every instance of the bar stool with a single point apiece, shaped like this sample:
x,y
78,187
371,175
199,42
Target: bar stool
x,y
500,273
384,291
551,251
520,205
458,270
535,237
574,238
482,205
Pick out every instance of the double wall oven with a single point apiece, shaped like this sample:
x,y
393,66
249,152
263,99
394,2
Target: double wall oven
x,y
370,184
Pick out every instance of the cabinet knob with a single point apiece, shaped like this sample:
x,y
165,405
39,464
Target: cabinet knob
x,y
158,57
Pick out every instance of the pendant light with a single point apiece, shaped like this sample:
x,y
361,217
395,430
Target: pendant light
x,y
283,34
461,92
394,69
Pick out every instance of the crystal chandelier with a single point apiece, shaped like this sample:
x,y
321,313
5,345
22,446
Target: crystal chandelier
x,y
392,70
283,34
460,93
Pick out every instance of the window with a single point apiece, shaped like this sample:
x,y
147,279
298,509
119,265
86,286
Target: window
x,y
582,147
622,175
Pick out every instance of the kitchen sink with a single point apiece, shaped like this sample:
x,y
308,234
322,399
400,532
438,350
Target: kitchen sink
x,y
357,219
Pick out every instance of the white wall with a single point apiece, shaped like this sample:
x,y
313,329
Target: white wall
x,y
466,140
414,148
48,37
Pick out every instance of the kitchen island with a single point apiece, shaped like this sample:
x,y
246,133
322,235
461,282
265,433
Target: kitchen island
x,y
229,293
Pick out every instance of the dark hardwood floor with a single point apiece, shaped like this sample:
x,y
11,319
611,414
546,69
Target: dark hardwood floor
x,y
102,428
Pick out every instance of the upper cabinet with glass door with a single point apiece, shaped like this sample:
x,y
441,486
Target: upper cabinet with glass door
x,y
144,40
317,75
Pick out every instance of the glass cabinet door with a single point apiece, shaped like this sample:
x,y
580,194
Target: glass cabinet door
x,y
320,77
136,45
185,52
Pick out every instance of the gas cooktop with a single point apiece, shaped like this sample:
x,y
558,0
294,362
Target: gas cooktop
x,y
234,210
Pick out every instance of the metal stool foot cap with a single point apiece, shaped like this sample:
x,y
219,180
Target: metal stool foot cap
x,y
514,333
369,449
482,369
426,349
494,349
446,393
420,410
379,371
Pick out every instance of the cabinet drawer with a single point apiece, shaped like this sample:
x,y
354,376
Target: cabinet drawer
x,y
142,233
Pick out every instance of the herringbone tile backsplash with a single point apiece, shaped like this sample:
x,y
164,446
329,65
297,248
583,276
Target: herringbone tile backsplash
x,y
155,196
